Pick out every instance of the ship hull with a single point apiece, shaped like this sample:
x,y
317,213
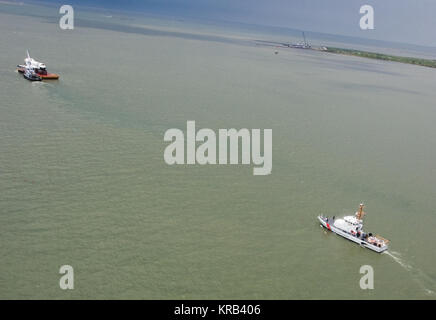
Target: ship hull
x,y
48,76
32,78
351,237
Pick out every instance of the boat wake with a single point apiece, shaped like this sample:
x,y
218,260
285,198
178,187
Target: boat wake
x,y
397,258
419,276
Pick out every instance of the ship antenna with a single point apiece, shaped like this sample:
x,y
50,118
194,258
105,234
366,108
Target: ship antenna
x,y
360,214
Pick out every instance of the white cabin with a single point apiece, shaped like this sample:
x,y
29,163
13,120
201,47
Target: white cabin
x,y
349,224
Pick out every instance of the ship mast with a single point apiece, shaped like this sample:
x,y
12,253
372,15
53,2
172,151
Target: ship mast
x,y
305,41
360,214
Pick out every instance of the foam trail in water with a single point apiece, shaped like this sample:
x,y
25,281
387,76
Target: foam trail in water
x,y
418,275
397,258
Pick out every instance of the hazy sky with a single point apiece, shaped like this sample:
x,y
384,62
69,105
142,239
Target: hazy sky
x,y
410,21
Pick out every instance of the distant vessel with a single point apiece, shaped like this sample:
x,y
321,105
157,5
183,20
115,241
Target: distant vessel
x,y
303,45
299,45
38,67
351,228
29,72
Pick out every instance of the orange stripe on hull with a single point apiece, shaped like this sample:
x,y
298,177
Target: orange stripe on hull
x,y
48,76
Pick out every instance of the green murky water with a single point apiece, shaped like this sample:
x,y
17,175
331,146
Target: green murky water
x,y
83,181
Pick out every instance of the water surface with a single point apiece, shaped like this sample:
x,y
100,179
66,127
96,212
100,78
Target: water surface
x,y
83,180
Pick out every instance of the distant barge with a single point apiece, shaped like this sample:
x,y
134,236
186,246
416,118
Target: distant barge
x,y
43,74
32,70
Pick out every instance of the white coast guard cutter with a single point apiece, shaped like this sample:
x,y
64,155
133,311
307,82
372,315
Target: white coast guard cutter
x,y
351,228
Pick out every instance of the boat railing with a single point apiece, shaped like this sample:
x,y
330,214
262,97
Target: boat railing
x,y
386,241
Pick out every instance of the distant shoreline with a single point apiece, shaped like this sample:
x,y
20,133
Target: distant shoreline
x,y
380,56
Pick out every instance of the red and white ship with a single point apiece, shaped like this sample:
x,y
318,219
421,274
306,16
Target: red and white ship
x,y
351,228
